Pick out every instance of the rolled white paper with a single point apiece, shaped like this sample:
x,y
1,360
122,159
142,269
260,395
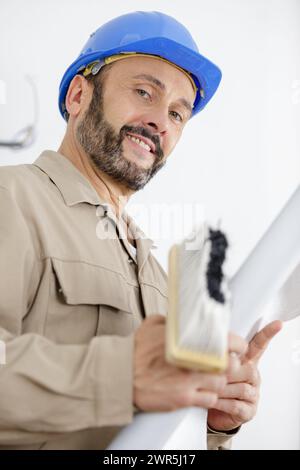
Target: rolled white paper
x,y
271,269
266,270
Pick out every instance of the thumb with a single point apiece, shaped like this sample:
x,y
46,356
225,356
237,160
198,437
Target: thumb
x,y
155,318
260,341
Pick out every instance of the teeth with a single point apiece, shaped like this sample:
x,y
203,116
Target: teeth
x,y
140,142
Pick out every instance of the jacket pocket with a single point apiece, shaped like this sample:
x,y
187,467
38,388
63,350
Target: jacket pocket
x,y
87,300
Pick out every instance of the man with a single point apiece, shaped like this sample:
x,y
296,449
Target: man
x,y
83,300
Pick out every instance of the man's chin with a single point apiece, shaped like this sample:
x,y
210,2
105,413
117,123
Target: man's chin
x,y
142,163
138,177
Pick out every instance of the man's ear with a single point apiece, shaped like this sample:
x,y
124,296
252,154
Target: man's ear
x,y
78,95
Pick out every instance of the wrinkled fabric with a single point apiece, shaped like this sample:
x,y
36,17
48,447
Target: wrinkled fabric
x,y
71,296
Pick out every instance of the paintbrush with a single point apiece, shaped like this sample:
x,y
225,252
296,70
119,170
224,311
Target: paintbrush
x,y
198,302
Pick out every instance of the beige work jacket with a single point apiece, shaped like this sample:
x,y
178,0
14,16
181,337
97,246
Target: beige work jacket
x,y
71,297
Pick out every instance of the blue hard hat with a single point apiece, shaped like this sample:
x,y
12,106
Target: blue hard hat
x,y
151,33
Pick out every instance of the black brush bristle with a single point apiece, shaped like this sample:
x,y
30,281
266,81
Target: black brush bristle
x,y
214,272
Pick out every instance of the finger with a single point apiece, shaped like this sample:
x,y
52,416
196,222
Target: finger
x,y
234,363
259,343
192,397
240,391
211,382
241,411
247,373
205,399
237,344
155,319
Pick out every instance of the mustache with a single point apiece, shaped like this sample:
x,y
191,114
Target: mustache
x,y
144,133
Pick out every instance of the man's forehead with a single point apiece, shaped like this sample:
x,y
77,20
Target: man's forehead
x,y
155,70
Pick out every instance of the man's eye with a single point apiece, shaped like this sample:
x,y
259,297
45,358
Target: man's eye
x,y
176,116
142,93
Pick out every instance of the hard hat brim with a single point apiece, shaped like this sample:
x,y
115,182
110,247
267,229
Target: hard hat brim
x,y
207,74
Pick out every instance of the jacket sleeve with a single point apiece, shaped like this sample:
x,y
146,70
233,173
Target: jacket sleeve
x,y
217,440
48,388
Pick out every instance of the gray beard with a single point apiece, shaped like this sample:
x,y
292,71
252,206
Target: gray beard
x,y
104,147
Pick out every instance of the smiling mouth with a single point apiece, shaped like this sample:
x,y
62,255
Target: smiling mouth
x,y
141,143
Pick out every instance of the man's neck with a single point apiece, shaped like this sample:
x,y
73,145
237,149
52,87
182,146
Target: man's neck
x,y
109,190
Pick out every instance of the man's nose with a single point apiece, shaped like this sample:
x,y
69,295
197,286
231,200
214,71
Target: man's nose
x,y
156,122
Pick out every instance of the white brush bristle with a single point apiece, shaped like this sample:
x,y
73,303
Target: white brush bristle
x,y
202,321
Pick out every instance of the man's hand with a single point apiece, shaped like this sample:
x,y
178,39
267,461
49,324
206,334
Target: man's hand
x,y
237,402
159,386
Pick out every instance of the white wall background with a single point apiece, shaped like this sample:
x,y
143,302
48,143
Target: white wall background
x,y
239,159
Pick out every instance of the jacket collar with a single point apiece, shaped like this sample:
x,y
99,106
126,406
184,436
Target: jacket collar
x,y
73,186
75,189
